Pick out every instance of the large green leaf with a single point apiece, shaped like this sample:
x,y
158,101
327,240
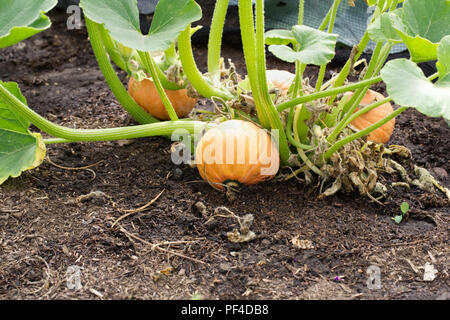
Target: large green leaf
x,y
316,47
419,24
121,19
382,29
408,86
21,19
20,150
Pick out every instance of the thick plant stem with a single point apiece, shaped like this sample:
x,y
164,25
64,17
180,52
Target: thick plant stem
x,y
274,117
292,139
345,71
150,65
323,67
56,141
191,71
75,135
249,47
327,93
215,39
139,114
394,5
301,11
377,60
360,93
339,144
366,109
111,48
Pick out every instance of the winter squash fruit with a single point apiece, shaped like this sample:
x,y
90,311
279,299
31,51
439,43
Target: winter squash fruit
x,y
383,133
281,79
146,95
236,151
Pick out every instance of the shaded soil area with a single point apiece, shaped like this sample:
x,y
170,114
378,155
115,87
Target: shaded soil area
x,y
68,219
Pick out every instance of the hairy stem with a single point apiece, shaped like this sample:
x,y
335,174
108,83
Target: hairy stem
x,y
327,93
191,71
75,135
139,114
339,144
151,66
215,39
323,67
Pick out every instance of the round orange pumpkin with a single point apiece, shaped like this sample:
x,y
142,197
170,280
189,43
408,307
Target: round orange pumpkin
x,y
146,95
383,133
281,79
236,151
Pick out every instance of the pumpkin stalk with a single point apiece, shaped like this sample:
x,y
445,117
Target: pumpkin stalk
x,y
111,77
215,39
151,66
339,144
191,71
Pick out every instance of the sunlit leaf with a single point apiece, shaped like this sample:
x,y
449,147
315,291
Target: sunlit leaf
x,y
316,47
121,19
419,24
21,19
408,86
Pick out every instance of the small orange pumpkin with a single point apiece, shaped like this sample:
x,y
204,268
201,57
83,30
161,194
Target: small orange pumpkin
x,y
383,133
146,95
281,79
236,151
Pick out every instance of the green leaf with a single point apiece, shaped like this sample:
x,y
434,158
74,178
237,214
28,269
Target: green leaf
x,y
398,219
20,150
404,207
121,19
21,19
422,25
381,29
279,37
316,47
443,64
408,86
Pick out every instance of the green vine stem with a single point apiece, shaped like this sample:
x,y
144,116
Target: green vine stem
x,y
323,68
111,48
116,86
215,39
191,71
291,139
365,110
326,93
65,134
151,66
345,71
339,144
394,5
268,106
249,47
171,55
378,58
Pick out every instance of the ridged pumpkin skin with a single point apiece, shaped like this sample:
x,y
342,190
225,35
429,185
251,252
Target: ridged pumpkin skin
x,y
281,79
146,95
383,133
231,139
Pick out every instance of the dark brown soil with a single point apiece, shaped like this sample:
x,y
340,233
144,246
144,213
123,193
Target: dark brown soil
x,y
45,227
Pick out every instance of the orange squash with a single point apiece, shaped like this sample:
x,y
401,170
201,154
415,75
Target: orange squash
x,y
383,133
281,79
146,95
236,151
